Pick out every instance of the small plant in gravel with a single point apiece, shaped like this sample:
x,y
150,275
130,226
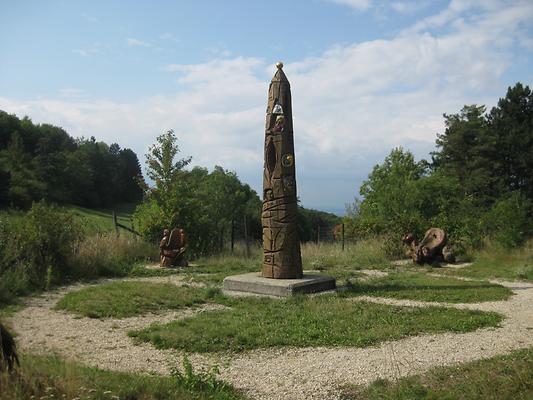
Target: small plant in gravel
x,y
201,380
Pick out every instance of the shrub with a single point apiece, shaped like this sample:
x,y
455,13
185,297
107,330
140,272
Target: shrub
x,y
507,222
37,247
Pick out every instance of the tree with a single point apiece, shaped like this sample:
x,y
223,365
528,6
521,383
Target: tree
x,y
24,186
163,167
166,202
389,204
462,152
510,138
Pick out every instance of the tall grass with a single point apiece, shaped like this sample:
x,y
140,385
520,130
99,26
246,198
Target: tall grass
x,y
110,255
367,253
496,261
50,378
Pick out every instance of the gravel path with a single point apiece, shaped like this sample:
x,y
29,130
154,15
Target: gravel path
x,y
286,373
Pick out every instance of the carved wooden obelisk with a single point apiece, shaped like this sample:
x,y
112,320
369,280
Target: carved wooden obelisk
x,y
281,242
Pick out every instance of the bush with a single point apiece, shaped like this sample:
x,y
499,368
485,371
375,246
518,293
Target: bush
x,y
48,246
36,249
507,222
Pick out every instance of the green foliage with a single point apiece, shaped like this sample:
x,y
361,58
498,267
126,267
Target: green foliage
x,y
53,378
507,222
508,377
42,162
510,141
199,381
49,245
392,202
127,299
36,250
416,286
479,183
205,204
310,220
304,321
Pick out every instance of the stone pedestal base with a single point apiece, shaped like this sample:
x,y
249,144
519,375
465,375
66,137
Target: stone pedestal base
x,y
254,283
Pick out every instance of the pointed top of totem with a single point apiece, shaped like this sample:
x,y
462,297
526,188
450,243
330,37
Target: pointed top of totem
x,y
280,76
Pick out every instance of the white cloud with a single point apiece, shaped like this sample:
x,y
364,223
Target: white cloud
x,y
408,7
356,4
351,104
137,42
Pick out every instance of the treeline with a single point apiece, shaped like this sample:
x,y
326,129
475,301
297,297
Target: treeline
x,y
478,184
43,162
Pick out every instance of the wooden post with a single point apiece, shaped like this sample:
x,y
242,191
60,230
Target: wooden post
x,y
246,237
318,233
115,222
343,236
232,233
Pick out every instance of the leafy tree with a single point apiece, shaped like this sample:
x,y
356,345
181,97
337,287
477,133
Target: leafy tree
x,y
206,204
390,200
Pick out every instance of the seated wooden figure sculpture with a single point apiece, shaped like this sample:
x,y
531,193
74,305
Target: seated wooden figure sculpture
x,y
172,248
432,249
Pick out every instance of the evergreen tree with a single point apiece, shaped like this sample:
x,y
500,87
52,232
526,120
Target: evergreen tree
x,y
510,138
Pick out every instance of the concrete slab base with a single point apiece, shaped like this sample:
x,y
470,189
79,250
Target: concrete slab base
x,y
254,283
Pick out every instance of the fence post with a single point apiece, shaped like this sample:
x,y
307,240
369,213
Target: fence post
x,y
246,237
115,223
343,236
318,233
232,233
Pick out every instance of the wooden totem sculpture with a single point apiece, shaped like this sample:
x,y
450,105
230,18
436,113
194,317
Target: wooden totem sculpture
x,y
281,242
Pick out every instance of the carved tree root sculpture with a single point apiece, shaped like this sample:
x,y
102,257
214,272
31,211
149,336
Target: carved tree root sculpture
x,y
8,350
431,249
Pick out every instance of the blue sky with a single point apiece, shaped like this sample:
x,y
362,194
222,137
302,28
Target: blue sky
x,y
366,75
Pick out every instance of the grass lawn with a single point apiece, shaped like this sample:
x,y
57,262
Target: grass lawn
x,y
53,378
507,377
128,299
326,320
418,286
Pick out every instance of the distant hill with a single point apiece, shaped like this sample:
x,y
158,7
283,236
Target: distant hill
x,y
43,162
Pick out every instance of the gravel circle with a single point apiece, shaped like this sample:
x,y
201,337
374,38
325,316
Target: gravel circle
x,y
279,373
